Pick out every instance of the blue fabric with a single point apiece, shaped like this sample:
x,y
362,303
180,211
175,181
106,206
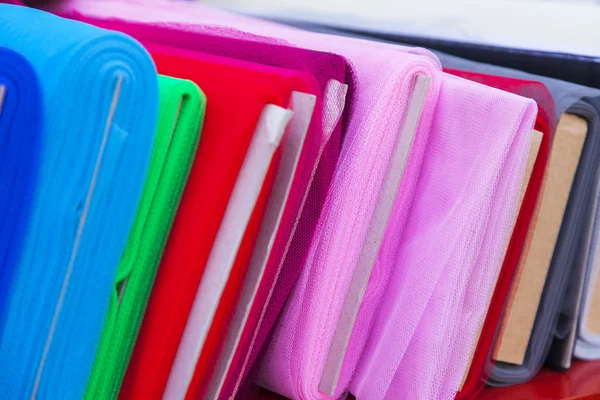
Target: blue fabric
x,y
20,133
89,186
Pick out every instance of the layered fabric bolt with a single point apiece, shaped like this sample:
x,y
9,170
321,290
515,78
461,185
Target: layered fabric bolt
x,y
474,381
245,27
427,298
443,378
545,124
100,96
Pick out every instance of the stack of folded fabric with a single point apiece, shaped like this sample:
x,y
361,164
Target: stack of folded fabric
x,y
306,211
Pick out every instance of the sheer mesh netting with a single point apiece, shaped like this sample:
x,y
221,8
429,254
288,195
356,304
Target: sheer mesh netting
x,y
446,237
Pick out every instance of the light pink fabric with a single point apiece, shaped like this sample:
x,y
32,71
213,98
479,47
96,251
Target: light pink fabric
x,y
445,240
426,292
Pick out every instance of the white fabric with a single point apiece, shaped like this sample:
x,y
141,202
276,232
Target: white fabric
x,y
526,24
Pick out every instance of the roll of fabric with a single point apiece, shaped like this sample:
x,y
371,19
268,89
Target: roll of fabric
x,y
563,67
207,321
417,342
181,113
21,133
334,77
295,359
571,258
100,105
232,87
545,124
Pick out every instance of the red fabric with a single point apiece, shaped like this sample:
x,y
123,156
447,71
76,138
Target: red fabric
x,y
236,95
217,334
545,123
219,327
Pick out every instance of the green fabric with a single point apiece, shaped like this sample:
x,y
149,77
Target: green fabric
x,y
182,107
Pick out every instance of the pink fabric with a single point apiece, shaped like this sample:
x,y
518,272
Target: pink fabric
x,y
426,297
445,240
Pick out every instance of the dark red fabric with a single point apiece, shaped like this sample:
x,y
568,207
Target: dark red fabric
x,y
236,95
482,362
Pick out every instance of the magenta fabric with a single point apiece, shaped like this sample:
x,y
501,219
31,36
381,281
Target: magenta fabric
x,y
447,235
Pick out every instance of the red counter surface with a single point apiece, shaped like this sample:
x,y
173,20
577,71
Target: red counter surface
x,y
581,382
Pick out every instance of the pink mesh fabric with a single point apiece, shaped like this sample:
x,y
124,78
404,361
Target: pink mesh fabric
x,y
444,244
425,300
294,361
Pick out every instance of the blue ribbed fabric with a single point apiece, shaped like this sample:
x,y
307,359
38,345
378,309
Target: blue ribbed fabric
x,y
89,185
20,133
